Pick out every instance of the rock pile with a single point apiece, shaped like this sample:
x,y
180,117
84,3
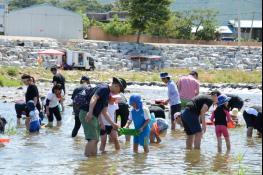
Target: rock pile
x,y
114,55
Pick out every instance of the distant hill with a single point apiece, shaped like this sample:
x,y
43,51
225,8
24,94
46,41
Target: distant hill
x,y
228,9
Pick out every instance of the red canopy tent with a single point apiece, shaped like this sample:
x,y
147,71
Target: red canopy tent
x,y
51,52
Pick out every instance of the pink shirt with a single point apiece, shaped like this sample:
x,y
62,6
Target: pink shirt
x,y
188,87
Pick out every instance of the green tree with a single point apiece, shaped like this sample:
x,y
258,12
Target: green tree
x,y
117,28
183,25
144,12
17,4
205,18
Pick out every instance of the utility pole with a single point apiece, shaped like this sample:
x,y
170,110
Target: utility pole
x,y
239,24
252,26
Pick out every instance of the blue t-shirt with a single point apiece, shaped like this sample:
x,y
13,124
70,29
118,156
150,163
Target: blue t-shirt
x,y
103,92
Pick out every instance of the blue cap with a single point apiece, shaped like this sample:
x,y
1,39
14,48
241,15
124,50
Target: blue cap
x,y
165,75
223,99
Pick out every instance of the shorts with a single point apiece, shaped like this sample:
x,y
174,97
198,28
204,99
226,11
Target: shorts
x,y
222,130
174,110
108,130
250,119
191,122
91,129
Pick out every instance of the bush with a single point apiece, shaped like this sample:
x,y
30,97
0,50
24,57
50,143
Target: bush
x,y
117,28
12,71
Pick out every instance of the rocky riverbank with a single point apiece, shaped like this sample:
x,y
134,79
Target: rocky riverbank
x,y
115,56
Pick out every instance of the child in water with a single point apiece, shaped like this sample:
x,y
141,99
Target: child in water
x,y
141,118
106,128
35,121
221,117
159,127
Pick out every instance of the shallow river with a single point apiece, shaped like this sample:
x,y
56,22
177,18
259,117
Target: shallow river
x,y
53,151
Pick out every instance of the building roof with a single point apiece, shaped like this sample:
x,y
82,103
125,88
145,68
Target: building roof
x,y
44,5
109,16
246,23
224,30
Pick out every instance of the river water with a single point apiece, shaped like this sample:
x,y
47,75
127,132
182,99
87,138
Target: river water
x,y
53,151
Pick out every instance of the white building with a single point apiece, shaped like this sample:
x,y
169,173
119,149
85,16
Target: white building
x,y
2,16
44,21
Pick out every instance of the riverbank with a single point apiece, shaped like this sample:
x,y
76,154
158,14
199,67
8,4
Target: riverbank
x,y
10,76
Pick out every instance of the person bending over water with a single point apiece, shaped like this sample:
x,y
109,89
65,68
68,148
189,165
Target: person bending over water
x,y
221,117
159,127
190,117
141,118
32,93
53,100
253,118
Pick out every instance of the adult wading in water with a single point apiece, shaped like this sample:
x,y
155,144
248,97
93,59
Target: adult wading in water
x,y
194,111
173,97
84,84
98,98
188,87
32,94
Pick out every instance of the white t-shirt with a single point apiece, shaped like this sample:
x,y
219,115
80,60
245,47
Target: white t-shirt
x,y
112,111
252,111
147,114
53,99
34,115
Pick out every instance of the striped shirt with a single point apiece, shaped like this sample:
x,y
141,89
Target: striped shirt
x,y
188,87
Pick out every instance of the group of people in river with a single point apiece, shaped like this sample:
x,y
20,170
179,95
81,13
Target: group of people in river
x,y
97,109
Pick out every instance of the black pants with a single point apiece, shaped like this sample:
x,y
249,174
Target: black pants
x,y
20,110
77,125
124,113
175,109
54,112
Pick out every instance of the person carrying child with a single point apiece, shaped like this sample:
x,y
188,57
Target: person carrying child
x,y
106,128
221,117
35,121
158,128
141,118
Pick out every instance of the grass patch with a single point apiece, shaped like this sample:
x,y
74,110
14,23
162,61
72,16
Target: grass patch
x,y
10,76
8,82
12,71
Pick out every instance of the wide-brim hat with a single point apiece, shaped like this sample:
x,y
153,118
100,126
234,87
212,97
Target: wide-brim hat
x,y
165,75
223,99
121,82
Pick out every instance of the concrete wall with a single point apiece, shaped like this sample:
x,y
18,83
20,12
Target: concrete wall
x,y
96,33
45,21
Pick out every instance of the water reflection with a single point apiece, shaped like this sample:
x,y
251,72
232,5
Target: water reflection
x,y
221,163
